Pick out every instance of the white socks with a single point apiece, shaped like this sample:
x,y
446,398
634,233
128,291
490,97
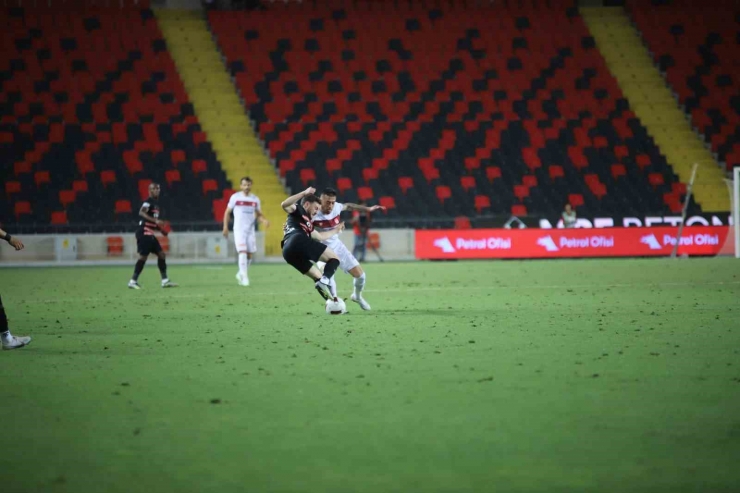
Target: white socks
x,y
333,286
243,264
359,283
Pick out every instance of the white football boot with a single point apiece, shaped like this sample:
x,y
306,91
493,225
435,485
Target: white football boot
x,y
360,301
14,342
242,280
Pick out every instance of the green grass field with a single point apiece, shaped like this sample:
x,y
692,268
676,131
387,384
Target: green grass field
x,y
548,376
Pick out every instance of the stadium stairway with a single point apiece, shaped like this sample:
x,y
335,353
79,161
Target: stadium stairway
x,y
222,115
653,103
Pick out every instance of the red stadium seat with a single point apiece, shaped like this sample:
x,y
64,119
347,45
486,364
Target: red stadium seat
x,y
405,183
467,182
115,246
387,202
344,184
308,175
172,176
482,202
22,208
107,177
67,197
12,187
575,200
365,193
443,193
199,166
209,186
123,207
59,218
41,177
462,222
493,172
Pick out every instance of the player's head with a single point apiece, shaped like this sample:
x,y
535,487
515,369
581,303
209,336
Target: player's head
x,y
328,199
311,203
154,190
245,184
568,208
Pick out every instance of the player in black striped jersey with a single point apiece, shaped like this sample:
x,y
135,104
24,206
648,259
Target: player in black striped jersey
x,y
146,242
301,247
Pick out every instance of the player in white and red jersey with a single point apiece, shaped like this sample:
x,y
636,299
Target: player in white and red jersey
x,y
328,218
247,211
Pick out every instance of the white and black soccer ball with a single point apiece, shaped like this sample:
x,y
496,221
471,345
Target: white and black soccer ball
x,y
337,307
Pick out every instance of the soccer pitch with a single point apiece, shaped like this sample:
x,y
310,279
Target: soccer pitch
x,y
544,376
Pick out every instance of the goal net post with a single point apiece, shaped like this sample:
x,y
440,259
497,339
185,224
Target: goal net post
x,y
729,238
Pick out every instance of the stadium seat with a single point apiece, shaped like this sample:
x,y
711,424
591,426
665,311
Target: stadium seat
x,y
59,218
123,207
387,202
22,208
695,47
96,106
115,246
462,222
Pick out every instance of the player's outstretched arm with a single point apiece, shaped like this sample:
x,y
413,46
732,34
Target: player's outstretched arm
x,y
14,242
225,232
288,204
362,208
325,235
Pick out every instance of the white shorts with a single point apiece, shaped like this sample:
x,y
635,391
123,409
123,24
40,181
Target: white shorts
x,y
347,261
245,240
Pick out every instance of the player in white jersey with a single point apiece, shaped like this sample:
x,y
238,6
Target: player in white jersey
x,y
247,211
328,218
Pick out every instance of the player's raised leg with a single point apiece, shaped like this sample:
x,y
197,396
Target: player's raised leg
x,y
323,284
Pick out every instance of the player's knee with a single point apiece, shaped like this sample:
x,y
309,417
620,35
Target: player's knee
x,y
357,272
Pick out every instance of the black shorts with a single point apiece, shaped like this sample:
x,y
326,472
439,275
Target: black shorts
x,y
146,244
299,250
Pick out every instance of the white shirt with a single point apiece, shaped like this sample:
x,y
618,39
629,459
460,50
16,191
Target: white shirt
x,y
245,209
323,222
569,220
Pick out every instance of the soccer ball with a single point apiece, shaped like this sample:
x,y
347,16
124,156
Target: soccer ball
x,y
336,307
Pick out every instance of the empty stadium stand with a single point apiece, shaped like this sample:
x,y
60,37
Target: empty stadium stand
x,y
445,110
697,45
91,110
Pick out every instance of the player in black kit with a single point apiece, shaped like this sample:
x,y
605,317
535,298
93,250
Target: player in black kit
x,y
8,340
146,242
301,245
